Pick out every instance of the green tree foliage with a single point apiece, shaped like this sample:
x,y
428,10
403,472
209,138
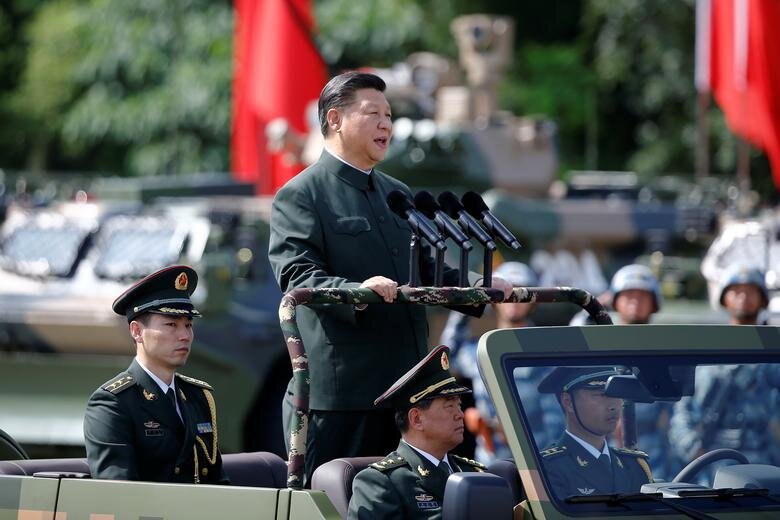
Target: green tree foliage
x,y
148,81
643,57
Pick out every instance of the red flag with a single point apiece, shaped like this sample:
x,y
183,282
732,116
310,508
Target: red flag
x,y
278,70
745,71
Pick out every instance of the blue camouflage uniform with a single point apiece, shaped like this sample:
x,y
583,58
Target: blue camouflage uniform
x,y
542,411
732,407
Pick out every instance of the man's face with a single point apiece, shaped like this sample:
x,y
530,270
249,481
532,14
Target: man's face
x,y
513,314
442,423
597,412
634,306
743,300
364,128
165,342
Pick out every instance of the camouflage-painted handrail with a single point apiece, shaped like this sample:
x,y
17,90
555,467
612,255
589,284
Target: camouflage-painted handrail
x,y
416,295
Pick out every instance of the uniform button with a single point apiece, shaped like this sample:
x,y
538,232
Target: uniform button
x,y
204,471
394,251
177,470
381,218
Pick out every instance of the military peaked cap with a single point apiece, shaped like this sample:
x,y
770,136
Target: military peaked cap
x,y
428,379
166,291
566,379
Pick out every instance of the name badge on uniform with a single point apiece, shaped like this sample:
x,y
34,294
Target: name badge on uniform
x,y
205,427
426,502
153,432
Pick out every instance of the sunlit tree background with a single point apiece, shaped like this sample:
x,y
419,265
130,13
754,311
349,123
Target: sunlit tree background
x,y
143,87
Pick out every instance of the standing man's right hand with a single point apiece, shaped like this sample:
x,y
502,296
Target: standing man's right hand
x,y
384,287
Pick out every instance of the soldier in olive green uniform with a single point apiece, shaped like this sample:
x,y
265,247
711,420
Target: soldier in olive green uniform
x,y
331,227
149,422
581,462
409,483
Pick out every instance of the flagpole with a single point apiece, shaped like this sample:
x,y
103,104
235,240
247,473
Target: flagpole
x,y
702,81
702,134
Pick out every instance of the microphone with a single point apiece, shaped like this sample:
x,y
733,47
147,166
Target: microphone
x,y
477,208
428,206
451,205
401,204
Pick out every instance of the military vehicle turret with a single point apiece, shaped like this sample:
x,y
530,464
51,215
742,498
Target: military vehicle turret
x,y
61,266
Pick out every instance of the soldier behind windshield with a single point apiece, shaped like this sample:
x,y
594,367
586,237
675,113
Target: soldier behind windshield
x,y
581,462
732,405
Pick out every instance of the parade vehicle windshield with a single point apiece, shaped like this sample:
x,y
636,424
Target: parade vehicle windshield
x,y
706,407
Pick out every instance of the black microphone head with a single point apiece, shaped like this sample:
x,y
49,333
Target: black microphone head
x,y
426,204
450,204
399,203
474,204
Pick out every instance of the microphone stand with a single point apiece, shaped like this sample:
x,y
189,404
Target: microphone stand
x,y
438,276
463,267
487,268
414,260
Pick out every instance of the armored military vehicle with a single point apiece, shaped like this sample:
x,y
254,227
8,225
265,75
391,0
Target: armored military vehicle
x,y
61,266
721,383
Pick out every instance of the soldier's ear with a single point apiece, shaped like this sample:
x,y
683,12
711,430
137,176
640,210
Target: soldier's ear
x,y
414,415
334,119
135,330
566,402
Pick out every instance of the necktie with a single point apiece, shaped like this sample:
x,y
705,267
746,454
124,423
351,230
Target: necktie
x,y
171,395
444,468
605,463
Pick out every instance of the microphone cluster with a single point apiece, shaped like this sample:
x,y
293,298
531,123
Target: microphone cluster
x,y
434,220
426,215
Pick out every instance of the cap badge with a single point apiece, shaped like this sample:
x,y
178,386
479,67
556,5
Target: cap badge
x,y
149,396
181,282
445,361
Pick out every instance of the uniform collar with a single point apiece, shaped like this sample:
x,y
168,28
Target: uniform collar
x,y
430,458
590,448
346,172
163,387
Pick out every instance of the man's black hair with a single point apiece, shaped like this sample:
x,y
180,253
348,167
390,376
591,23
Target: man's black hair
x,y
402,415
340,92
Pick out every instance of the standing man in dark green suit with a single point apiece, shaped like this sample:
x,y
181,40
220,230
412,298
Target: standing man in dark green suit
x,y
150,422
410,482
331,227
581,462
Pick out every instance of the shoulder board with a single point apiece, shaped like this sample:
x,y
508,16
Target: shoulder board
x,y
388,463
119,383
193,381
473,463
553,451
633,453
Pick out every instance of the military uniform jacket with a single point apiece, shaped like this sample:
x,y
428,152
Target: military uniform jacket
x,y
132,431
331,227
403,485
572,470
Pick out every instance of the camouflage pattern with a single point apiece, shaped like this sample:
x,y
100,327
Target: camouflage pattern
x,y
405,295
737,402
500,347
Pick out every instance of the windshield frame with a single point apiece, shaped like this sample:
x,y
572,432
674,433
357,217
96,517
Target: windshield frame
x,y
501,351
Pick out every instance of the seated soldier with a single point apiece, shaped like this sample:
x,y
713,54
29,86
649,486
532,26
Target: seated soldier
x,y
581,462
409,483
150,422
